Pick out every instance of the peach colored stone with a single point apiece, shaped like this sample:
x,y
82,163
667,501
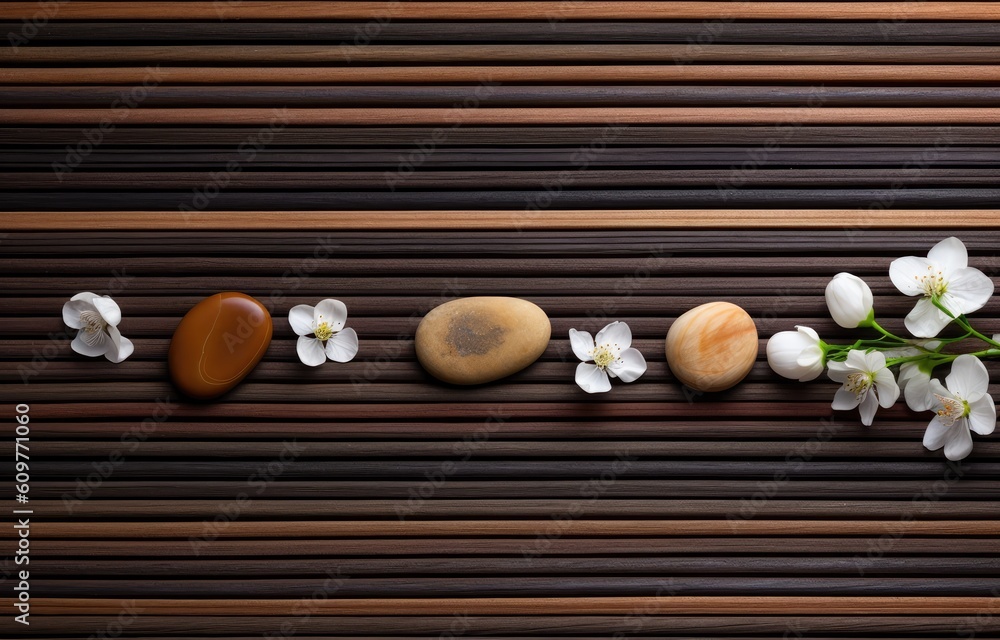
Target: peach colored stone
x,y
218,342
481,339
712,347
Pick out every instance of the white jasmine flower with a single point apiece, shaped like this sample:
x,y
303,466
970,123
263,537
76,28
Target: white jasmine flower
x,y
868,384
322,334
97,318
611,354
944,275
796,354
850,300
963,406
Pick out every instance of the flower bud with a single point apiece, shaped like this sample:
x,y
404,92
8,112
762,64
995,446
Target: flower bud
x,y
796,354
850,300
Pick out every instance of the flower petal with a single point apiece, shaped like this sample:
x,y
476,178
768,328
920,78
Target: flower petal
x,y
342,346
917,389
583,344
592,379
936,434
310,351
958,442
926,320
809,331
867,408
874,361
968,291
809,357
905,274
108,309
90,344
885,385
616,335
858,360
119,347
838,371
949,256
85,296
844,400
907,371
939,389
301,318
983,416
333,312
968,379
629,365
71,313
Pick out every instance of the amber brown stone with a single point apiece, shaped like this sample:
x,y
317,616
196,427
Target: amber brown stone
x,y
712,347
481,339
218,342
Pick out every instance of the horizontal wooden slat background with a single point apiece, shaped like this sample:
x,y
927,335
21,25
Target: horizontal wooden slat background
x,y
606,160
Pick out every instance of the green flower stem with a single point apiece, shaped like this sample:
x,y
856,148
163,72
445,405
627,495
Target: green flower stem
x,y
878,327
964,323
945,341
940,358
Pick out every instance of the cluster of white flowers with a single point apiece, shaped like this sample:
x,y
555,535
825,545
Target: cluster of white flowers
x,y
949,289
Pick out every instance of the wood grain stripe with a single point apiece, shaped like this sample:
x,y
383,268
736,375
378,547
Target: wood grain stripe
x,y
357,10
850,219
779,116
500,53
129,74
918,548
335,33
662,605
531,528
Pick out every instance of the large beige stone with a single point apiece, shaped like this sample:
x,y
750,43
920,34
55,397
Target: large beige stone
x,y
712,347
481,339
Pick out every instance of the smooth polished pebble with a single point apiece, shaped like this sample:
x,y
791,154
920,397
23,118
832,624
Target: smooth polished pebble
x,y
217,343
481,339
712,347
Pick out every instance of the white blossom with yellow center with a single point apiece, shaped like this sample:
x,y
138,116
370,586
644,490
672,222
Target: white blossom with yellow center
x,y
609,355
961,407
945,276
322,333
867,384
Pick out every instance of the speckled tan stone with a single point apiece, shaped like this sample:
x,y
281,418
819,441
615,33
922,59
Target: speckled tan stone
x,y
712,347
481,339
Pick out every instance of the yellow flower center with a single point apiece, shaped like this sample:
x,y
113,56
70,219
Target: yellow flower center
x,y
324,331
603,356
952,409
932,282
859,383
92,321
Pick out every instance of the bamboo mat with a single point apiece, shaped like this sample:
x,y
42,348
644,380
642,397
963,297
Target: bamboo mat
x,y
605,160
